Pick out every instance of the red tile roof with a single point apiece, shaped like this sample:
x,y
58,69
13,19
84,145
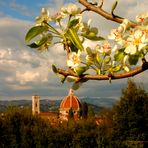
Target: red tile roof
x,y
48,114
70,102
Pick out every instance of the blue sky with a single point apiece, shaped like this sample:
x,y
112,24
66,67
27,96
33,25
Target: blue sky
x,y
24,72
21,9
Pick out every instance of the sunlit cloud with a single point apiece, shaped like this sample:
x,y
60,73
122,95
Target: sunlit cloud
x,y
27,76
24,70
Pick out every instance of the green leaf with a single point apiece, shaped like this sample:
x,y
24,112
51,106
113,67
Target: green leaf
x,y
33,45
34,31
110,80
76,85
80,70
88,50
90,59
53,30
72,23
55,70
106,68
119,56
63,78
126,68
71,79
94,29
98,71
107,60
83,80
98,58
73,48
117,68
39,42
114,6
92,36
74,38
133,60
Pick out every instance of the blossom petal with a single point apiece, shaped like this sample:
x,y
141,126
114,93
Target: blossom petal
x,y
141,46
131,49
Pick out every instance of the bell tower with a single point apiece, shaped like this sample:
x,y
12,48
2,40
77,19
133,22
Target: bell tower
x,y
35,104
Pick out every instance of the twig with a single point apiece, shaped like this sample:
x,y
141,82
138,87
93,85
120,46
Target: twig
x,y
103,13
102,2
103,77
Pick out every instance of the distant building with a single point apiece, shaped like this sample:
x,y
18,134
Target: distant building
x,y
35,104
69,102
51,117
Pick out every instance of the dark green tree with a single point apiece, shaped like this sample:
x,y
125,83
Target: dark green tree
x,y
84,110
131,115
19,128
91,112
71,114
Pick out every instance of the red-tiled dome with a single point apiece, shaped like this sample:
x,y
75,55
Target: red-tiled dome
x,y
70,101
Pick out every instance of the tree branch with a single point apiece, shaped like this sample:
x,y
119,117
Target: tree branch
x,y
102,2
103,77
103,13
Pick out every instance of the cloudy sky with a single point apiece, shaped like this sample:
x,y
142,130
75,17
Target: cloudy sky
x,y
24,71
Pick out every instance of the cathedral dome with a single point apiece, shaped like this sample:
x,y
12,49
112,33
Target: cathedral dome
x,y
69,102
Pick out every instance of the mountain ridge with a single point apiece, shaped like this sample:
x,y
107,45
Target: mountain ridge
x,y
53,105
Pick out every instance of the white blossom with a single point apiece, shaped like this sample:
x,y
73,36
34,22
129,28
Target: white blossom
x,y
71,9
142,17
104,48
135,42
43,17
73,59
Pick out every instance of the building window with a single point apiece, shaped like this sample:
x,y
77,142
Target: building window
x,y
36,105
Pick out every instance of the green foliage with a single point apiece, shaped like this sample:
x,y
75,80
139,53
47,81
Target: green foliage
x,y
43,41
84,110
21,129
133,60
73,23
88,50
131,114
119,55
91,112
71,114
74,38
123,126
76,85
54,69
92,36
106,57
35,31
81,70
117,68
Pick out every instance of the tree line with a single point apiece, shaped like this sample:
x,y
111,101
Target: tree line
x,y
125,125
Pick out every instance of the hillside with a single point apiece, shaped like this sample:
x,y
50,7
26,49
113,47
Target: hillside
x,y
53,105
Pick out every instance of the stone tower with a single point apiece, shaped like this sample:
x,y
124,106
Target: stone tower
x,y
35,104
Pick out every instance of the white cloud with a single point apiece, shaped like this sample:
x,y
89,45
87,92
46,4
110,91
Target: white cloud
x,y
21,87
9,79
24,70
27,76
5,53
